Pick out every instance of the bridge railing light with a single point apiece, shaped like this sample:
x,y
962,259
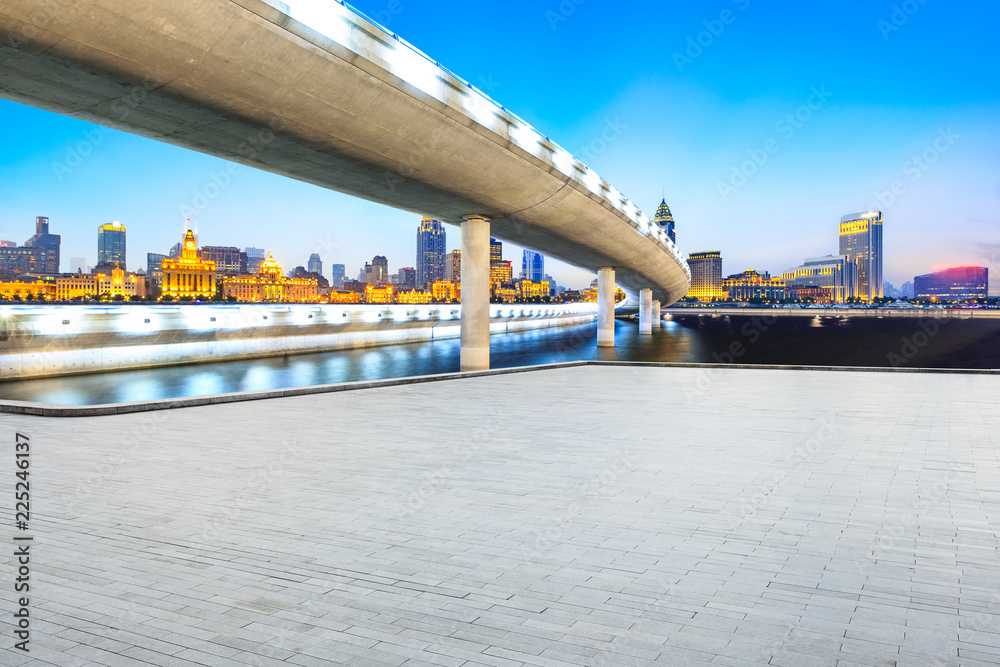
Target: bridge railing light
x,y
336,21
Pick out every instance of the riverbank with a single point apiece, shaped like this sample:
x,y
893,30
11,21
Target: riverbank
x,y
50,341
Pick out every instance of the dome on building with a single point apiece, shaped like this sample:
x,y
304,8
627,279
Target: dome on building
x,y
270,265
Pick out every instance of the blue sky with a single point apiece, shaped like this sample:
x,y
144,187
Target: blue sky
x,y
696,95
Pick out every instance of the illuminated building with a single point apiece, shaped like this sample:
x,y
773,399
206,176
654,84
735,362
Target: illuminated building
x,y
315,264
228,260
861,243
824,295
111,282
337,277
38,256
38,290
379,294
50,242
501,271
529,289
413,296
111,244
377,273
835,275
505,295
270,286
344,297
445,290
532,266
664,218
706,276
453,267
752,285
430,252
188,275
959,285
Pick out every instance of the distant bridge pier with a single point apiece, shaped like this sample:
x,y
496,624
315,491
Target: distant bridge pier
x,y
605,307
646,311
656,314
475,327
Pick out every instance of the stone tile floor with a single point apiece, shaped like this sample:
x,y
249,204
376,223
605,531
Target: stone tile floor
x,y
580,516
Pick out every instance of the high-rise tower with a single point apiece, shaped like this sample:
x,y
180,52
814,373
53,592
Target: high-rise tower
x,y
111,244
51,242
664,218
430,252
861,243
533,266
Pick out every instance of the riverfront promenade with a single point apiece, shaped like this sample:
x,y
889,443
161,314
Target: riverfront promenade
x,y
593,515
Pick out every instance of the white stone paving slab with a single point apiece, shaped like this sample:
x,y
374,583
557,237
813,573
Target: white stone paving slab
x,y
581,516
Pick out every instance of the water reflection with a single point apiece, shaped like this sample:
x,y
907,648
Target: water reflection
x,y
792,340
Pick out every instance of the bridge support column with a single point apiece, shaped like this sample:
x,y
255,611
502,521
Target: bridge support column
x,y
475,330
646,311
606,307
656,315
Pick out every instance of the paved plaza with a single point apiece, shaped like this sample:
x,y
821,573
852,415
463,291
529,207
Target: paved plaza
x,y
579,516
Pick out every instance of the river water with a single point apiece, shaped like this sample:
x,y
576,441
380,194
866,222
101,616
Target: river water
x,y
800,340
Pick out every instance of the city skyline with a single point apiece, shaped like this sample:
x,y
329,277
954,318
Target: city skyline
x,y
759,168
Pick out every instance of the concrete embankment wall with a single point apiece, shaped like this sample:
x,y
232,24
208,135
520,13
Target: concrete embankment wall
x,y
43,341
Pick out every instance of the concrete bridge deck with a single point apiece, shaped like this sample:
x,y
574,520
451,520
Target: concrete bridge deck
x,y
540,518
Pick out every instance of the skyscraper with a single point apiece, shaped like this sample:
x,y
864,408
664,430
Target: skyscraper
x,y
50,242
377,273
861,243
430,252
111,244
315,264
337,279
255,257
533,266
453,267
706,275
664,218
405,278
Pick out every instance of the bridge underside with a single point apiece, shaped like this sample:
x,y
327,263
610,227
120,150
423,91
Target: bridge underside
x,y
242,81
